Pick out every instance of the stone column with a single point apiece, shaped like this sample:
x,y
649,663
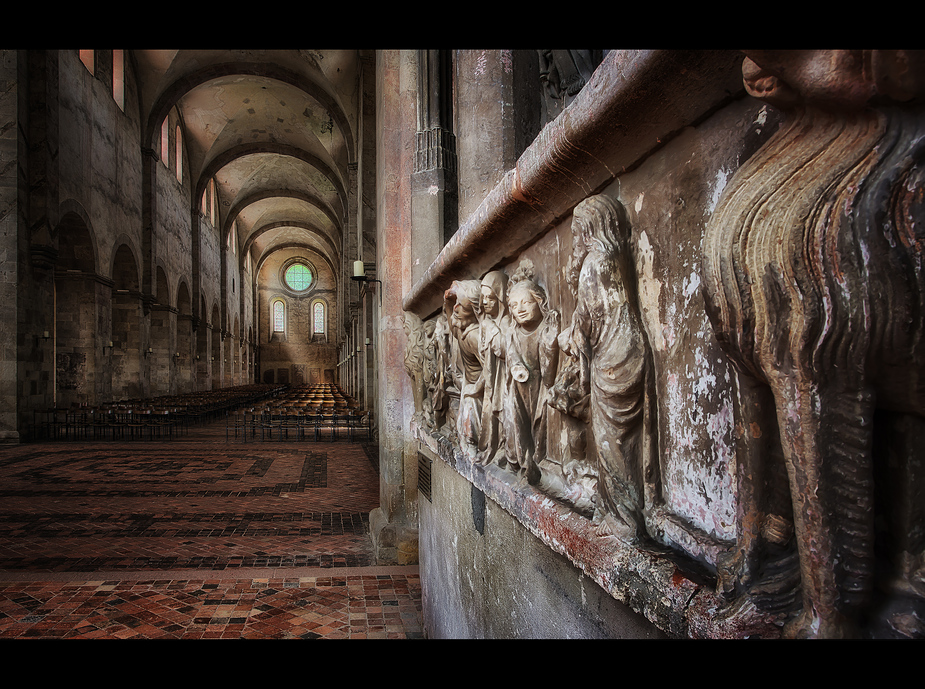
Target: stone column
x,y
366,224
9,234
500,89
394,523
28,249
434,196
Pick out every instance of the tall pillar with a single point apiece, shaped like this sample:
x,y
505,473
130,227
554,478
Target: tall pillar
x,y
434,189
9,234
394,523
499,119
28,249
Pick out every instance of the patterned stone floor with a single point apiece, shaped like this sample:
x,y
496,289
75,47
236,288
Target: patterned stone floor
x,y
196,537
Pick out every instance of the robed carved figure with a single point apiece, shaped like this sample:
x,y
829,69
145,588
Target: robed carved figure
x,y
462,303
814,283
494,323
532,356
608,344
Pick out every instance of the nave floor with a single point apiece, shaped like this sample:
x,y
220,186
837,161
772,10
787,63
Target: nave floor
x,y
196,537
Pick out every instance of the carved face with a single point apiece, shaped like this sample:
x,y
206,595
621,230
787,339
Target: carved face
x,y
463,314
490,304
524,307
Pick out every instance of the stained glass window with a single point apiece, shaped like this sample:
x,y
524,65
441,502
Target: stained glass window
x,y
298,277
279,317
318,315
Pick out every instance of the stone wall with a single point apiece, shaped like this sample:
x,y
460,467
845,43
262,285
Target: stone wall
x,y
621,415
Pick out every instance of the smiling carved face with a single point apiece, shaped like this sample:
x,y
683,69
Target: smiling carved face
x,y
524,307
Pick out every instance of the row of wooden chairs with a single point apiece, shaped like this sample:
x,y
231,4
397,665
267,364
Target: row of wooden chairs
x,y
285,423
144,419
95,423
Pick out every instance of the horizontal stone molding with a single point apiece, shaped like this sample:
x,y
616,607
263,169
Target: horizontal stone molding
x,y
634,103
64,275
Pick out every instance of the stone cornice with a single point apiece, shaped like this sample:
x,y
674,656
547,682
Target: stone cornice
x,y
633,104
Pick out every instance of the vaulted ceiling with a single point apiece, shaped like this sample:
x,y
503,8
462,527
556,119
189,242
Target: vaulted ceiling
x,y
276,129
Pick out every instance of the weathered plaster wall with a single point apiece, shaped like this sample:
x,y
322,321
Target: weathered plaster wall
x,y
524,590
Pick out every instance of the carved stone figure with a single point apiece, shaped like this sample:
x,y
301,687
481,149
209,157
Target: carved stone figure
x,y
414,360
563,74
462,301
814,283
494,325
532,356
606,340
441,388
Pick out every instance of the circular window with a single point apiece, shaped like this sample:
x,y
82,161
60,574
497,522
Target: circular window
x,y
298,277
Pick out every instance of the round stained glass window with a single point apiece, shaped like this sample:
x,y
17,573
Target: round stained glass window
x,y
298,277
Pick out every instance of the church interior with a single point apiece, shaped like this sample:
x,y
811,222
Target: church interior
x,y
462,344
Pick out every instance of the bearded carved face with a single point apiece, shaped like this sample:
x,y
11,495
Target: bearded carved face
x,y
463,314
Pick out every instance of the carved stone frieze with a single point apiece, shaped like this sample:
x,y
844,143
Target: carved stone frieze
x,y
815,286
517,373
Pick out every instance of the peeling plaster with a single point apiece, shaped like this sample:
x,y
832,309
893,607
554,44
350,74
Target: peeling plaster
x,y
719,183
650,289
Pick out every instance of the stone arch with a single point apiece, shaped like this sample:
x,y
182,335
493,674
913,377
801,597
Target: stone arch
x,y
162,325
76,251
77,336
126,360
202,347
183,356
251,361
234,355
216,347
124,267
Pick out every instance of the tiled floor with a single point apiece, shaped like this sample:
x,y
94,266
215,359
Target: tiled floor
x,y
196,537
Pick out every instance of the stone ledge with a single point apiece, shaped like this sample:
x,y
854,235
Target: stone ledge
x,y
651,579
634,103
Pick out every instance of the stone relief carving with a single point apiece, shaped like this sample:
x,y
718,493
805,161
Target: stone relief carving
x,y
494,323
814,284
501,345
607,344
563,73
414,360
462,303
532,356
443,393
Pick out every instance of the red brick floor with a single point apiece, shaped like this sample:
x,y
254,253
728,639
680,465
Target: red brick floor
x,y
196,537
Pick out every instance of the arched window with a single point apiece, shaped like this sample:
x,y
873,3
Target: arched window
x,y
318,319
86,56
118,78
212,202
208,201
279,316
179,155
165,142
